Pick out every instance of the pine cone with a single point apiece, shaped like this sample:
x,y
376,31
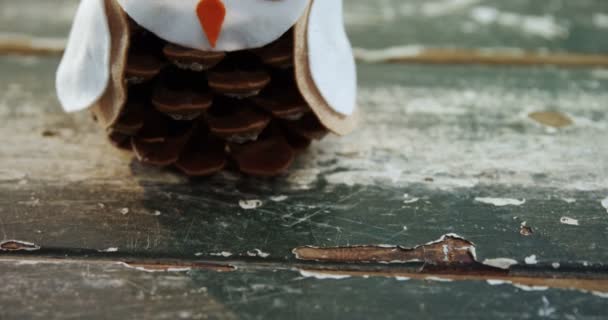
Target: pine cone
x,y
204,111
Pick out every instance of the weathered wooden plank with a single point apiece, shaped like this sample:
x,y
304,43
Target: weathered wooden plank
x,y
109,290
554,25
444,136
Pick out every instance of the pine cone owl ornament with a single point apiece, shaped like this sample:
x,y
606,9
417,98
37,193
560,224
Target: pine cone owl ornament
x,y
203,85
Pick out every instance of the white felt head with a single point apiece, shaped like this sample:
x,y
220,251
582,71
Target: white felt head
x,y
84,72
248,23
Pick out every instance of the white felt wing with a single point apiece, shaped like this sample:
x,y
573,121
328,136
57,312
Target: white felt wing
x,y
84,72
331,60
248,23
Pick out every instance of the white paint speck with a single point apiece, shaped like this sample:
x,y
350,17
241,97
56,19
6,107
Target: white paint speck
x,y
446,253
545,26
601,74
250,204
569,200
501,202
174,269
198,254
530,288
157,213
600,294
280,198
600,20
379,55
569,221
555,265
605,204
403,278
495,282
501,263
258,253
531,259
409,199
124,211
323,276
546,311
112,249
438,279
224,254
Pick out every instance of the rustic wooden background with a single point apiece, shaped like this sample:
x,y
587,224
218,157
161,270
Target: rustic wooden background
x,y
510,160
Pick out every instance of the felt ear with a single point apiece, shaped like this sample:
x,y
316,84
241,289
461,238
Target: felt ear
x,y
84,72
325,66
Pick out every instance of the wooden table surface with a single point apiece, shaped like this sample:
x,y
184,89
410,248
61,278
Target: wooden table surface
x,y
470,191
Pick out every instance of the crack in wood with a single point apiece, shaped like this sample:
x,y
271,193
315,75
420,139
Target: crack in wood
x,y
451,258
25,44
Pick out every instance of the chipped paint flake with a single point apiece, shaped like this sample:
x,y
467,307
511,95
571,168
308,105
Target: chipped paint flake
x,y
407,199
322,275
250,204
525,230
224,254
17,245
545,26
569,200
154,269
280,198
531,259
112,249
496,282
569,221
438,279
501,263
600,20
258,253
600,294
530,288
500,202
403,278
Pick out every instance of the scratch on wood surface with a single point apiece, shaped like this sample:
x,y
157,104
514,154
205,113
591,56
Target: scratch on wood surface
x,y
448,250
17,245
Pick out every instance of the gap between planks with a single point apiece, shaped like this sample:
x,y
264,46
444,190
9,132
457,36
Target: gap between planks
x,y
27,45
530,278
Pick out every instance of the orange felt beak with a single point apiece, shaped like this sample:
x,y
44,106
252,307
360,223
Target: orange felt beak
x,y
211,14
